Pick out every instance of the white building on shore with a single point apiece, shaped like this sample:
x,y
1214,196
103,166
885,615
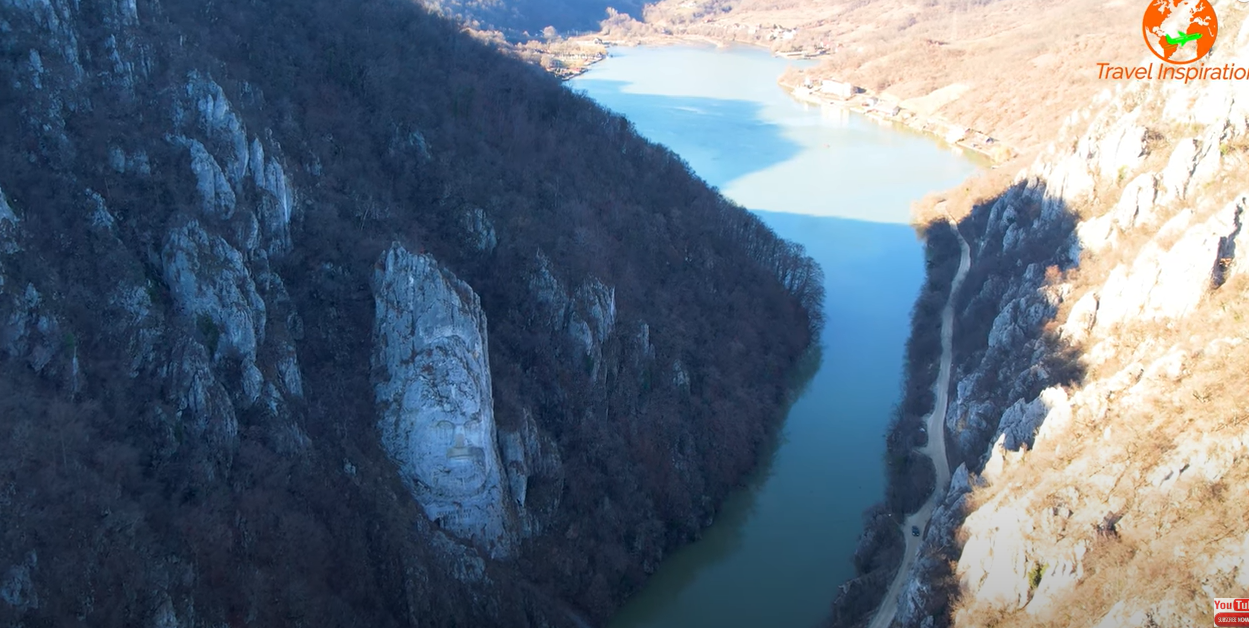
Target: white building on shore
x,y
837,88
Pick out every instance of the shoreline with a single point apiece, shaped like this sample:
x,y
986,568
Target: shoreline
x,y
643,599
887,111
649,40
934,449
872,106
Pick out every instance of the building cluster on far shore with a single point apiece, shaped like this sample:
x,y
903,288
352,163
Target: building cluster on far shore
x,y
828,92
573,60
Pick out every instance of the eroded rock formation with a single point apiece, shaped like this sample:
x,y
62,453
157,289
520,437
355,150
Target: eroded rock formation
x,y
1097,408
436,412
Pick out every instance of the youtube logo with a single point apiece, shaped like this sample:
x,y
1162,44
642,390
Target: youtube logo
x,y
1231,612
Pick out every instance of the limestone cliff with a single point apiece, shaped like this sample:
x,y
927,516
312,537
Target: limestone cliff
x,y
436,413
1097,414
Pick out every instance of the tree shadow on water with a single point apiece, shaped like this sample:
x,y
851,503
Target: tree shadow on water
x,y
680,573
723,540
700,127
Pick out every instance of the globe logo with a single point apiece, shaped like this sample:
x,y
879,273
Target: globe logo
x,y
1180,31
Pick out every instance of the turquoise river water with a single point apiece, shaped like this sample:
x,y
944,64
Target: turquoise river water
x,y
841,185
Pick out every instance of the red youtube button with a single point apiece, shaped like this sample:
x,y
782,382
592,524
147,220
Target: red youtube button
x,y
1231,619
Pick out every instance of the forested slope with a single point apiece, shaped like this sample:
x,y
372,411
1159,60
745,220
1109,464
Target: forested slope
x,y
231,231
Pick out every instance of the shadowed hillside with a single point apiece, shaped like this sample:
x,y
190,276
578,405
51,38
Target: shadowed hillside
x,y
325,313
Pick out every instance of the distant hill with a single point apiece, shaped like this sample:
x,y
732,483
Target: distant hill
x,y
520,20
977,63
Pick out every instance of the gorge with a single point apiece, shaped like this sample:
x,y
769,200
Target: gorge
x,y
841,186
325,312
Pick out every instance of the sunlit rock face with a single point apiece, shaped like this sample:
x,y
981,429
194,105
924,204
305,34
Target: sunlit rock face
x,y
432,382
1086,477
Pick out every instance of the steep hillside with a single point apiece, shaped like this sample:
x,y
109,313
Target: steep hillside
x,y
322,313
1097,415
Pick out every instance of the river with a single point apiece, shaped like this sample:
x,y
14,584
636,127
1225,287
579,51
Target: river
x,y
841,185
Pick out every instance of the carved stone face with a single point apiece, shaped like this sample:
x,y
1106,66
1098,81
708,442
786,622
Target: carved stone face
x,y
432,386
452,430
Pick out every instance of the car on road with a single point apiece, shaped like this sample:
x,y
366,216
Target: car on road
x,y
914,530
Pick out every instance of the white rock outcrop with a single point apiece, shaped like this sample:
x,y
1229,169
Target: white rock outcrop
x,y
216,196
481,234
527,453
29,329
231,172
8,227
202,401
994,564
222,126
1167,283
1095,484
433,391
277,203
211,284
588,317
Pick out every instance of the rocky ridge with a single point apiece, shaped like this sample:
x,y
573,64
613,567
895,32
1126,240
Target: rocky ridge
x,y
1095,413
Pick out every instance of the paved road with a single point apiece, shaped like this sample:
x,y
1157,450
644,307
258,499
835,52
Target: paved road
x,y
935,449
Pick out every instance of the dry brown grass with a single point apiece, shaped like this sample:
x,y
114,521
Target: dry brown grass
x,y
908,50
959,201
1160,557
1144,568
1159,562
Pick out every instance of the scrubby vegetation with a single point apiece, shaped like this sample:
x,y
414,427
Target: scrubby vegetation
x,y
910,476
1148,546
1141,476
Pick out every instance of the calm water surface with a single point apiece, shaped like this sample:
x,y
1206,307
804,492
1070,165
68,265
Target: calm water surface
x,y
840,185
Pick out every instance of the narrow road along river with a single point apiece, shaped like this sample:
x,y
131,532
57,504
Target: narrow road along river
x,y
935,449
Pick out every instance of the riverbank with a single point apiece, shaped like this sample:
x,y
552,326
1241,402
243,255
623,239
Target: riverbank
x,y
934,449
859,100
572,67
852,98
